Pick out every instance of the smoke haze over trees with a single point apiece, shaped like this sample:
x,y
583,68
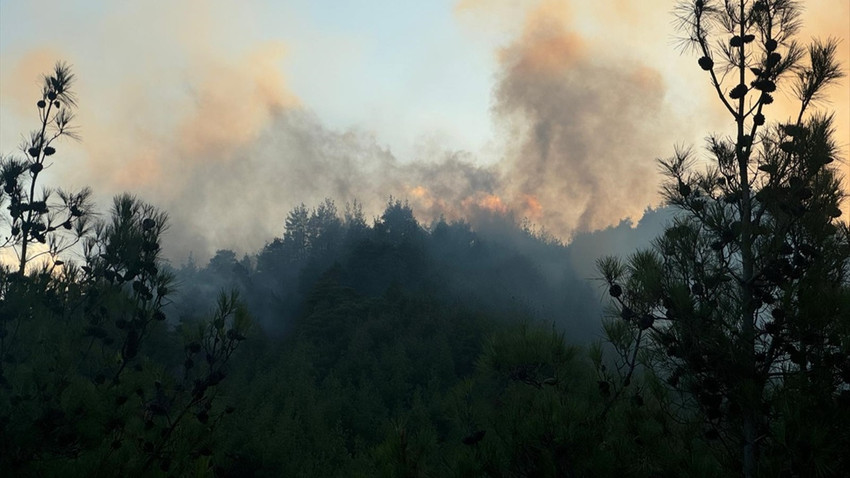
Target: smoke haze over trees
x,y
272,291
215,114
499,266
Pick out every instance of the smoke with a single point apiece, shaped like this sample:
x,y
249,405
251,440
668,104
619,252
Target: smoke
x,y
241,203
584,127
188,108
198,153
170,107
210,133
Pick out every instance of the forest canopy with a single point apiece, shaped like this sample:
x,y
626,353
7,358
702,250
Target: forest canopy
x,y
387,346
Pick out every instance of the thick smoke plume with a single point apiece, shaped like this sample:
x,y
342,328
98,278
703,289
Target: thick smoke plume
x,y
586,129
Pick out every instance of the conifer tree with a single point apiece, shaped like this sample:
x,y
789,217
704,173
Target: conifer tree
x,y
35,218
87,385
742,304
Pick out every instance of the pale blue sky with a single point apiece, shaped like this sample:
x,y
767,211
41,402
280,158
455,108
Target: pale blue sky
x,y
412,71
404,70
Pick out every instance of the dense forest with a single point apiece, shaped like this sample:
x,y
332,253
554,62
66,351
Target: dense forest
x,y
392,346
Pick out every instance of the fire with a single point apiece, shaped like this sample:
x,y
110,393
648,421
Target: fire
x,y
430,204
425,203
419,192
533,208
493,203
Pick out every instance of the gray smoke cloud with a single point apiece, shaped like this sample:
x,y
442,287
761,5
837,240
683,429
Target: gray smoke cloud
x,y
240,202
586,129
225,147
579,134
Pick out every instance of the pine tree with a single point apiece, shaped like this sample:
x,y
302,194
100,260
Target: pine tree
x,y
743,304
87,382
33,218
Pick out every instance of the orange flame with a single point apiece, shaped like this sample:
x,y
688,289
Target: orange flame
x,y
419,192
532,207
493,203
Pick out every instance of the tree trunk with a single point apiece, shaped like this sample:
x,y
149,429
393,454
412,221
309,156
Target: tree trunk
x,y
751,389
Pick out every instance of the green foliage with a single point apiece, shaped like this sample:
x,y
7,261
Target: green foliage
x,y
741,305
83,386
355,373
395,349
88,386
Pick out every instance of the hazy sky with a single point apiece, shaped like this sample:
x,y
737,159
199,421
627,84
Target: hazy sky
x,y
229,113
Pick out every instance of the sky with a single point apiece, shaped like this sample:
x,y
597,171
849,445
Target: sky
x,y
228,114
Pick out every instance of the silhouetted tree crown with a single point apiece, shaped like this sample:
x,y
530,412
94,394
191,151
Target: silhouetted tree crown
x,y
742,304
51,221
93,381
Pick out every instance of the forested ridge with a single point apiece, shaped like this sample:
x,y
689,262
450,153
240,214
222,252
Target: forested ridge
x,y
391,346
403,355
